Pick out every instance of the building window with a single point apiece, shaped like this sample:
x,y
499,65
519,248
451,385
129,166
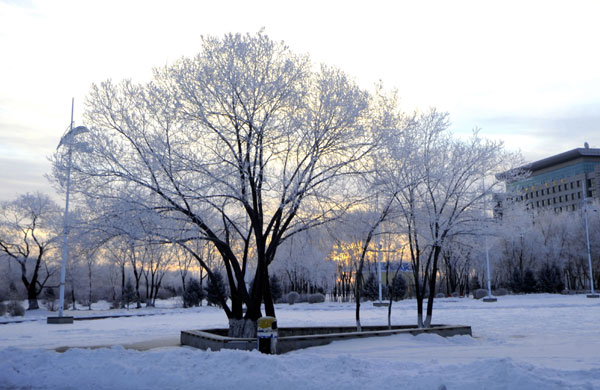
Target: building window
x,y
572,196
559,187
560,198
574,207
554,190
579,194
578,183
571,185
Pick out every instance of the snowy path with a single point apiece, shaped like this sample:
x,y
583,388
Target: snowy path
x,y
520,342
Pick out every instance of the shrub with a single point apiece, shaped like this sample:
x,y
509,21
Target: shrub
x,y
50,298
550,279
529,282
282,299
194,294
128,293
500,292
370,289
215,289
303,298
316,298
275,288
480,293
292,297
398,288
523,282
2,309
474,283
15,309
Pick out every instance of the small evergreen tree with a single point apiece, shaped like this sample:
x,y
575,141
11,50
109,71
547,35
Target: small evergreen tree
x,y
550,279
194,294
474,283
529,282
275,288
215,289
129,293
370,289
398,288
516,282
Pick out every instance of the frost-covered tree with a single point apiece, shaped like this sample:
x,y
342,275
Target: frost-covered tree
x,y
29,233
442,193
242,146
302,263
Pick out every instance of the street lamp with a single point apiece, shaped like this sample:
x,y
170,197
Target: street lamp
x,y
489,297
587,237
67,140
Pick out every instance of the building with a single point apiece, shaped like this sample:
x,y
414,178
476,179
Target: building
x,y
559,182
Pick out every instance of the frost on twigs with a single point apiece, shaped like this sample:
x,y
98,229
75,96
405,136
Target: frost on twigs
x,y
240,147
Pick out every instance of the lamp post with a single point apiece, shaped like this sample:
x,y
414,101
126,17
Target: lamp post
x,y
592,293
67,139
379,302
489,297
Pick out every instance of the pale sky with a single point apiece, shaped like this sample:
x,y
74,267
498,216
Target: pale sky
x,y
525,72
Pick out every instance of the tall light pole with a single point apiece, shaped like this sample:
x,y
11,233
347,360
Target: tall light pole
x,y
67,139
380,302
592,293
489,297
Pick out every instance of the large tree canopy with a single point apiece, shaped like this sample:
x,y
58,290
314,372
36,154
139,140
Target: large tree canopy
x,y
243,146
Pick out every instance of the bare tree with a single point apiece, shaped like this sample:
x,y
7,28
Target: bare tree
x,y
441,196
245,131
160,257
28,235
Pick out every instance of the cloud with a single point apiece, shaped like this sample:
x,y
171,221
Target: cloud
x,y
20,176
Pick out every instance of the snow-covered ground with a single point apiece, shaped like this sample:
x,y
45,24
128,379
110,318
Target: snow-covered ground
x,y
520,342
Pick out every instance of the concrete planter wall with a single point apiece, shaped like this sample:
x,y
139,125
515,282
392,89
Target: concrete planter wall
x,y
291,339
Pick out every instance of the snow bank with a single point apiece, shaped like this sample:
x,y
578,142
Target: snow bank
x,y
520,342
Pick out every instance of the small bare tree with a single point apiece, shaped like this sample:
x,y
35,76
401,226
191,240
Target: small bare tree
x,y
28,236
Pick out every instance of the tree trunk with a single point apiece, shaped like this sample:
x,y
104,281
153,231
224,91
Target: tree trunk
x,y
244,328
73,302
390,313
32,298
432,281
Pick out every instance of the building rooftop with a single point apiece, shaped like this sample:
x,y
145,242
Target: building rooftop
x,y
549,162
561,158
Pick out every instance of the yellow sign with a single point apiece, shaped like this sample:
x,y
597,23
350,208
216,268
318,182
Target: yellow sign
x,y
265,322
